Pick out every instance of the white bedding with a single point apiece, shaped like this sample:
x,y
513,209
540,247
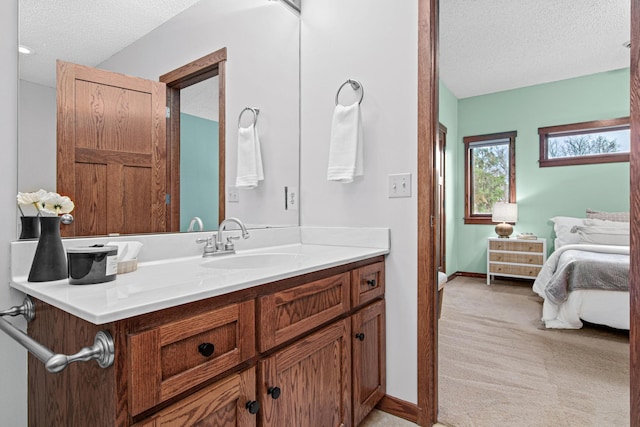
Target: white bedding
x,y
604,307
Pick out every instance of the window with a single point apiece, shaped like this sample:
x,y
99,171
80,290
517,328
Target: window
x,y
490,174
602,141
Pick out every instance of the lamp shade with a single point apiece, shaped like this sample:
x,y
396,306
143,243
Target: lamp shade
x,y
505,212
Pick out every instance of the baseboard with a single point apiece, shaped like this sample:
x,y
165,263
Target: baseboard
x,y
399,408
468,274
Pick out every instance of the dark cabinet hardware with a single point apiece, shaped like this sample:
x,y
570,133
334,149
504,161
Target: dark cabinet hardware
x,y
371,282
206,349
360,336
274,392
253,407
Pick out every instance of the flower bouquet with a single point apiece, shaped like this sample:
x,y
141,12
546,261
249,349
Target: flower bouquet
x,y
49,261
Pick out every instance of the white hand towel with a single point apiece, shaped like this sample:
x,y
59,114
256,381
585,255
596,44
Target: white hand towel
x,y
249,158
345,149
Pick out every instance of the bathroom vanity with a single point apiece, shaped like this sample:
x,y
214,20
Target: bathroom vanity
x,y
301,342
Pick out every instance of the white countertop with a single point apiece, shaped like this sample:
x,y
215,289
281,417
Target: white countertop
x,y
160,284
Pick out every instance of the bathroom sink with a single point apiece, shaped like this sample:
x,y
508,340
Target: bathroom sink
x,y
251,261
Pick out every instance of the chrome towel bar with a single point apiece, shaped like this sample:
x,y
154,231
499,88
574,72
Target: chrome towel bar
x,y
254,110
102,350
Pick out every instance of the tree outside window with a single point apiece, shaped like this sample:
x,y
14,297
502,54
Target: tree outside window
x,y
489,174
602,141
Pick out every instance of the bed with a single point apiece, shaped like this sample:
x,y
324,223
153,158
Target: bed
x,y
586,278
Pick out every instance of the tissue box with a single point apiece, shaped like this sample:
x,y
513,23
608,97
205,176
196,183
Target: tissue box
x,y
127,266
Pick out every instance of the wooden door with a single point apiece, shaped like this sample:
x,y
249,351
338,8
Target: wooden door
x,y
111,158
223,404
369,361
440,229
313,381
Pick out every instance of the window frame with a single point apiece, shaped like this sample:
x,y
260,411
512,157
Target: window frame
x,y
469,217
580,129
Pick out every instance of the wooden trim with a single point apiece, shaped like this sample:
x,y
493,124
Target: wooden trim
x,y
469,217
579,129
399,408
427,404
194,72
467,274
634,272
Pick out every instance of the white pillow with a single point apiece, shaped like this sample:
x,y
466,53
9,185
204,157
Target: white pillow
x,y
562,225
604,234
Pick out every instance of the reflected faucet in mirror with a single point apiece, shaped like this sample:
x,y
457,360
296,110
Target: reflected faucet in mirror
x,y
217,247
192,225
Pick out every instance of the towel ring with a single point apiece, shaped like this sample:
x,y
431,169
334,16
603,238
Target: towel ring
x,y
355,85
255,112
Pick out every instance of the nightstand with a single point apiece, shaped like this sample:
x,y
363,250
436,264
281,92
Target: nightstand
x,y
521,258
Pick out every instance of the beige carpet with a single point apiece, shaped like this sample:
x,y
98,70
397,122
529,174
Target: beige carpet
x,y
498,366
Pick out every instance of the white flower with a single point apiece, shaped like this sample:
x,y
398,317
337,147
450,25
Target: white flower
x,y
53,203
34,198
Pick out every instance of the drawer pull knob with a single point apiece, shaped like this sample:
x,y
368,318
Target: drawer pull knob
x,y
253,407
274,392
360,336
371,282
206,349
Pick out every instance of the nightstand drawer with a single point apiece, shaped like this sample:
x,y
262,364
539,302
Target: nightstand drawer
x,y
511,245
517,258
517,270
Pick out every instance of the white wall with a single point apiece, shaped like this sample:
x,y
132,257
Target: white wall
x,y
13,359
37,134
262,71
375,43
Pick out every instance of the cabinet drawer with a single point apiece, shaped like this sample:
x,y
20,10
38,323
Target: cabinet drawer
x,y
367,283
174,357
289,313
510,245
518,258
519,270
223,402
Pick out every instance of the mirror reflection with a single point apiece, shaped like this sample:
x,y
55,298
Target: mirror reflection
x,y
262,70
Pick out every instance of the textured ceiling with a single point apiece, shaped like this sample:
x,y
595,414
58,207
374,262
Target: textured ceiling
x,y
485,45
494,45
85,32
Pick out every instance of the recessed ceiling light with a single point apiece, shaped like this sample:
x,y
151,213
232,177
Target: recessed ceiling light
x,y
25,49
627,44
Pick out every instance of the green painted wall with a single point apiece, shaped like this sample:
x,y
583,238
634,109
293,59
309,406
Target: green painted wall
x,y
198,171
448,116
542,192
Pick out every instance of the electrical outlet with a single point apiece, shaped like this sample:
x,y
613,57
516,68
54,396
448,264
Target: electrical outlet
x,y
291,198
400,185
233,195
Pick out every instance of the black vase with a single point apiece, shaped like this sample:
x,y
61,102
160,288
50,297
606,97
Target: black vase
x,y
30,227
50,261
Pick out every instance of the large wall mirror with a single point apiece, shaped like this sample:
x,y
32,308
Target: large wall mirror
x,y
148,40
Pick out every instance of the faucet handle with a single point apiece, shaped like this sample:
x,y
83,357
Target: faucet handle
x,y
209,247
229,245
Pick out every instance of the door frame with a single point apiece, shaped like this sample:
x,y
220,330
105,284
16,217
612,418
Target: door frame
x,y
208,66
427,128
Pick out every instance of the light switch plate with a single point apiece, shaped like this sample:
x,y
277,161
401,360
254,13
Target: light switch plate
x,y
233,195
400,185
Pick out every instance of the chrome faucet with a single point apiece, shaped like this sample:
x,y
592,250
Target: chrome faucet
x,y
192,225
217,247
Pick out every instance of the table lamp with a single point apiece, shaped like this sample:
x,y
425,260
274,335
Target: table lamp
x,y
504,213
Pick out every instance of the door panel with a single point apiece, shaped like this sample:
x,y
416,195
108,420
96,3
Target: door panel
x,y
111,150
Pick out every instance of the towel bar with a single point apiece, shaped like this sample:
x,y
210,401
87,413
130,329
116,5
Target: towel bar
x,y
355,85
102,350
255,112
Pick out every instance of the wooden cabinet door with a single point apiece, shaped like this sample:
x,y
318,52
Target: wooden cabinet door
x,y
287,314
223,404
369,361
112,153
172,358
313,377
367,283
